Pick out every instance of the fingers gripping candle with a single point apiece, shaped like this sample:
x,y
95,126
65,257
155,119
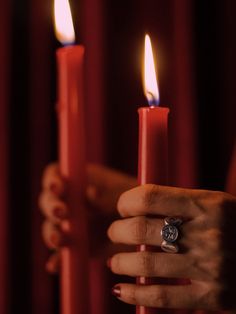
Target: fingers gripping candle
x,y
74,267
153,142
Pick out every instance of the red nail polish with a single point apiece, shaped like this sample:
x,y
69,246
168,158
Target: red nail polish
x,y
59,212
116,291
51,268
53,188
55,240
109,262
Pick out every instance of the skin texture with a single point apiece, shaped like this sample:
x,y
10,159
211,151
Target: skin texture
x,y
207,256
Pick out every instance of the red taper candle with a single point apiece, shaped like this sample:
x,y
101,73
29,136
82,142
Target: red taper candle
x,y
74,264
153,144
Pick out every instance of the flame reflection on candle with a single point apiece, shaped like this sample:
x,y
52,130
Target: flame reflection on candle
x,y
150,81
63,22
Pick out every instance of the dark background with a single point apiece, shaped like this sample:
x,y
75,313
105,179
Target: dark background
x,y
195,46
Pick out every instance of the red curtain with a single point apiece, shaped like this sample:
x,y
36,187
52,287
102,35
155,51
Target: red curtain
x,y
184,146
41,109
4,154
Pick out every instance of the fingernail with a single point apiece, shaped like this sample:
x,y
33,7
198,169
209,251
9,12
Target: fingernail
x,y
66,226
59,239
53,187
116,291
92,192
109,262
59,212
55,239
50,267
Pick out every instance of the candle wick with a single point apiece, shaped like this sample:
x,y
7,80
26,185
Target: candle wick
x,y
152,101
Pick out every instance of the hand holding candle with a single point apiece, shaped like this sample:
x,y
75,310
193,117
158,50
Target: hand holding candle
x,y
202,259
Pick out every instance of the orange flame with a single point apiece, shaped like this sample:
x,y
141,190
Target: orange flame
x,y
63,22
150,81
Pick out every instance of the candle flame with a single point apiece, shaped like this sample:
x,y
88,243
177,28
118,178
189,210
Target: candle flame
x,y
63,22
150,81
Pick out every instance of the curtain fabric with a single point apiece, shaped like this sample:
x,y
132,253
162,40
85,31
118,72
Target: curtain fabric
x,y
4,155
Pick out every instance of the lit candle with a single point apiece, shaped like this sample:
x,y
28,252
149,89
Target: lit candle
x,y
153,141
70,60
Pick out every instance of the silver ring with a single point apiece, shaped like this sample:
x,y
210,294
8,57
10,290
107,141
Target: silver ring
x,y
170,234
174,221
169,247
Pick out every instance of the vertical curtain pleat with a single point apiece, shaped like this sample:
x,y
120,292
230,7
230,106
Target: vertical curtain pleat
x,y
231,177
93,19
184,147
4,164
228,103
41,112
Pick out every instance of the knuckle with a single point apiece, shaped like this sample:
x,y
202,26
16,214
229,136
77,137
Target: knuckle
x,y
210,296
210,269
150,195
140,228
210,200
220,197
133,295
160,298
216,267
194,265
220,201
147,264
136,296
215,237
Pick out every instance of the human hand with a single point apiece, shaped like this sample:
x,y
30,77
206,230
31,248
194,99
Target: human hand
x,y
103,190
207,255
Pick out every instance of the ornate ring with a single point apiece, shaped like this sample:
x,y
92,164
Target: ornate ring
x,y
170,233
169,247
